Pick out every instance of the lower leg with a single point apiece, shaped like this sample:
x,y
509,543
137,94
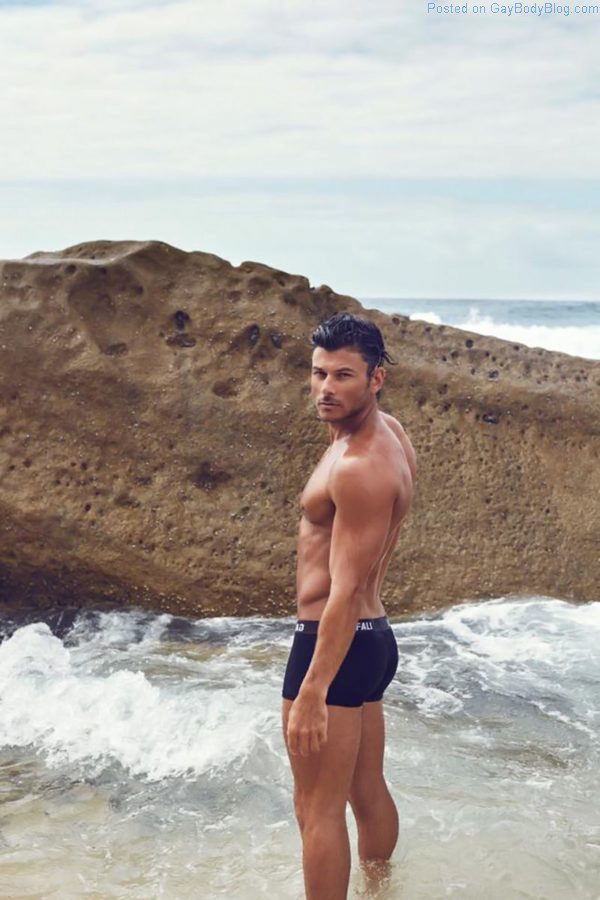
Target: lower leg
x,y
326,857
378,826
377,836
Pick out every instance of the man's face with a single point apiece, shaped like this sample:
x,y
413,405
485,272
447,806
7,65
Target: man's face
x,y
339,384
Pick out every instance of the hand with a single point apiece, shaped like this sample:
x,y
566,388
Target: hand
x,y
307,724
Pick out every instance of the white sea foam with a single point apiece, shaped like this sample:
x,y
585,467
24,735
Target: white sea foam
x,y
540,651
48,699
122,688
543,629
575,340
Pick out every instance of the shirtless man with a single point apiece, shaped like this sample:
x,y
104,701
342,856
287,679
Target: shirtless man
x,y
344,653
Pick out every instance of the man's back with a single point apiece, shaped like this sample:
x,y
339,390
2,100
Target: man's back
x,y
383,458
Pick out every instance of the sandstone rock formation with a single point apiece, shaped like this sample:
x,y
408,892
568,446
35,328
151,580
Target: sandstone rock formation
x,y
156,432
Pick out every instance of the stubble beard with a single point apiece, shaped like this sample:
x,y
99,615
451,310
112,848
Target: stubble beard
x,y
345,413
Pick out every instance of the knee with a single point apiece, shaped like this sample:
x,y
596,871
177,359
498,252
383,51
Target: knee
x,y
304,808
313,817
300,810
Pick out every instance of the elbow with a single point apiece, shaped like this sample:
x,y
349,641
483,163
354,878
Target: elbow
x,y
351,591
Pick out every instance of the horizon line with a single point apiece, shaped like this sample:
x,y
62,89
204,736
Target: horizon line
x,y
484,299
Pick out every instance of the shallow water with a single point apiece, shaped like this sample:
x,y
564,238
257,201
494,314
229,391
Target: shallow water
x,y
141,756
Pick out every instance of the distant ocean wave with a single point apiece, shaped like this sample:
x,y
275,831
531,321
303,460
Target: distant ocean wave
x,y
577,341
572,328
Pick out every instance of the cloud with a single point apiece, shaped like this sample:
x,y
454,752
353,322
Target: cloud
x,y
287,89
375,148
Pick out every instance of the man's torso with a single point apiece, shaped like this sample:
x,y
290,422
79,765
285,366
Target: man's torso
x,y
392,457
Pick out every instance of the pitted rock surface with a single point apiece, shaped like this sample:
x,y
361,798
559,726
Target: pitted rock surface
x,y
157,431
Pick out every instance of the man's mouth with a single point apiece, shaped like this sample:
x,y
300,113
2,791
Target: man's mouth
x,y
327,403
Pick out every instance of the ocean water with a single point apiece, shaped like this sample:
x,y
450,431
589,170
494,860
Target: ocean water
x,y
567,326
141,756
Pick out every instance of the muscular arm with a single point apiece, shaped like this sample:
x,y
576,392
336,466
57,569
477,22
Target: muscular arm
x,y
363,509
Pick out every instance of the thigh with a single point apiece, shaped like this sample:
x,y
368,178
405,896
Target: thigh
x,y
322,780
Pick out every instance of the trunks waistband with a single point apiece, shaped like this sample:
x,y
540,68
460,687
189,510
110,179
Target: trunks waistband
x,y
310,626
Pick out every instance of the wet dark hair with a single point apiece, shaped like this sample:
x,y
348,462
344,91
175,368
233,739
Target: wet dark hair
x,y
346,330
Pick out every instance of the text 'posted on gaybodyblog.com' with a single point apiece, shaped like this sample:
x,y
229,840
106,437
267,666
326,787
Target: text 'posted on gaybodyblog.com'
x,y
514,9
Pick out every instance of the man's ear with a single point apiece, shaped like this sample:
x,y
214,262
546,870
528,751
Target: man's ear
x,y
377,378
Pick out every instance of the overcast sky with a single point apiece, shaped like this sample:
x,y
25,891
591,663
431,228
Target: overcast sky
x,y
375,147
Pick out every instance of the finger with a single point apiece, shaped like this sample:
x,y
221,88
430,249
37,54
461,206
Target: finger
x,y
304,743
315,742
292,741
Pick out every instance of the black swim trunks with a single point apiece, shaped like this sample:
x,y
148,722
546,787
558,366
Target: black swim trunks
x,y
365,672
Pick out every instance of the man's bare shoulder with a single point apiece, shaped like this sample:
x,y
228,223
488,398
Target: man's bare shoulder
x,y
350,467
393,423
396,427
356,481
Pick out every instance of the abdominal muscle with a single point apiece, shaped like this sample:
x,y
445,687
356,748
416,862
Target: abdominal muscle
x,y
313,583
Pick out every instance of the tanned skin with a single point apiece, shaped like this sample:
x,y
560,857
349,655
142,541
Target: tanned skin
x,y
353,507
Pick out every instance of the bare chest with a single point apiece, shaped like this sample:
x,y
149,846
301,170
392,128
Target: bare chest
x,y
317,506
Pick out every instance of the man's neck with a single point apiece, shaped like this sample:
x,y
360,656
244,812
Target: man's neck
x,y
360,421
